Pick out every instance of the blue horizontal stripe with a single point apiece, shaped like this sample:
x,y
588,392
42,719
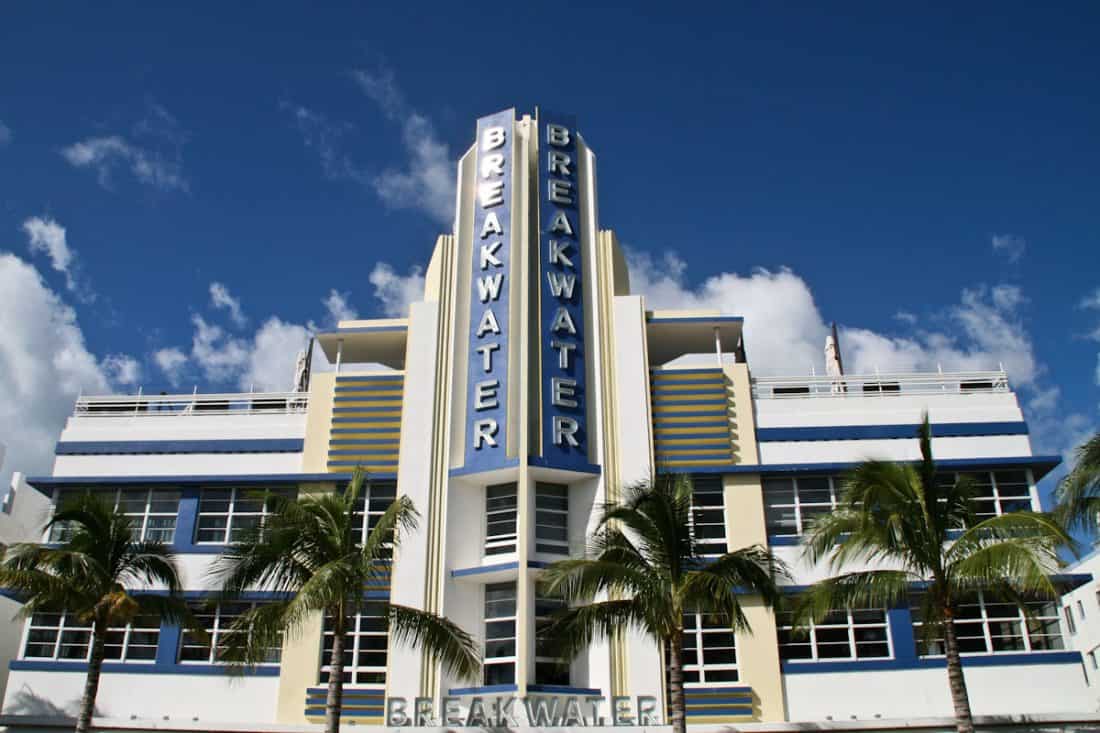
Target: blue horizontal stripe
x,y
377,470
484,690
135,447
32,665
984,660
590,469
660,394
1041,465
658,372
482,569
783,541
879,432
662,401
368,388
743,689
695,319
565,690
348,431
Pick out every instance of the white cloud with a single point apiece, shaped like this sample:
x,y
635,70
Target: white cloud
x,y
172,362
327,139
104,154
338,307
394,291
785,334
5,134
44,365
122,369
1009,245
905,317
428,181
273,355
220,297
220,356
48,237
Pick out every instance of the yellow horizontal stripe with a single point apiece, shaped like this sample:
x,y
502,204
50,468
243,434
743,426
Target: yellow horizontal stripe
x,y
392,425
719,428
356,413
372,458
388,390
396,404
658,408
718,439
394,436
716,419
701,462
717,385
673,376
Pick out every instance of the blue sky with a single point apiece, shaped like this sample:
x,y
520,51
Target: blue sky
x,y
226,178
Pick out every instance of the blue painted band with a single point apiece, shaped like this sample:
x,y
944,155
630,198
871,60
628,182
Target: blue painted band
x,y
471,470
984,660
484,690
350,692
695,319
879,432
30,665
716,389
687,454
136,447
566,690
657,371
345,713
482,569
659,425
590,469
390,400
744,689
375,472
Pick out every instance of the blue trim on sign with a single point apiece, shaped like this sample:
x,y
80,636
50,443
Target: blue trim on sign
x,y
880,432
591,469
470,470
695,319
566,690
984,660
483,690
30,665
134,447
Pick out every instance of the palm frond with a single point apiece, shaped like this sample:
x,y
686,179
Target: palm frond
x,y
571,630
442,639
1078,493
864,589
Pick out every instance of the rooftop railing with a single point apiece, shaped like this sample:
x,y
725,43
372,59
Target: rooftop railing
x,y
878,385
253,403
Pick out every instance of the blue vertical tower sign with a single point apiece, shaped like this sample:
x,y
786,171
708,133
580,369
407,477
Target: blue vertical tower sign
x,y
564,437
487,378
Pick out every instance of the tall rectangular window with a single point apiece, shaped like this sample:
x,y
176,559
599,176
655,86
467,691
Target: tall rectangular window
x,y
985,625
151,512
365,647
709,651
842,634
708,515
791,504
1071,625
499,659
550,669
500,519
63,637
552,518
226,514
218,621
370,505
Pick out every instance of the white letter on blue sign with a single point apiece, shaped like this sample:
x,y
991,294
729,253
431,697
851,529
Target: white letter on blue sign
x,y
486,351
491,225
560,283
488,323
561,192
562,389
562,322
488,287
561,225
559,163
491,194
486,394
557,135
557,253
488,255
493,137
564,429
484,430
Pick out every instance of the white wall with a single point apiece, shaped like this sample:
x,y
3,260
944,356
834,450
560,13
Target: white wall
x,y
1086,637
858,409
154,696
185,427
898,449
1002,690
178,464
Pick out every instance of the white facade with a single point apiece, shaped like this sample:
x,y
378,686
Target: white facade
x,y
509,409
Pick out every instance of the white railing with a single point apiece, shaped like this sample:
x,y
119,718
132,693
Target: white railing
x,y
253,403
880,385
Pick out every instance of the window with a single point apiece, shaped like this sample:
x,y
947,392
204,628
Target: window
x,y
550,669
1093,659
842,634
371,504
998,492
552,518
61,636
985,625
365,646
1081,610
218,621
791,503
226,514
1071,625
152,512
1098,597
708,516
710,651
500,519
500,634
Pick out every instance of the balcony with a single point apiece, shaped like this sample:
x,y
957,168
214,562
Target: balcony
x,y
166,406
880,385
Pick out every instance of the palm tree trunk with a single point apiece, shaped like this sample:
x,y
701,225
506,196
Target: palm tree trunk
x,y
335,676
676,683
964,721
91,682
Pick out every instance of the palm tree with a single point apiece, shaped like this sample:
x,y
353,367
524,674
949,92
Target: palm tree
x,y
1078,493
645,559
90,576
310,550
902,516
